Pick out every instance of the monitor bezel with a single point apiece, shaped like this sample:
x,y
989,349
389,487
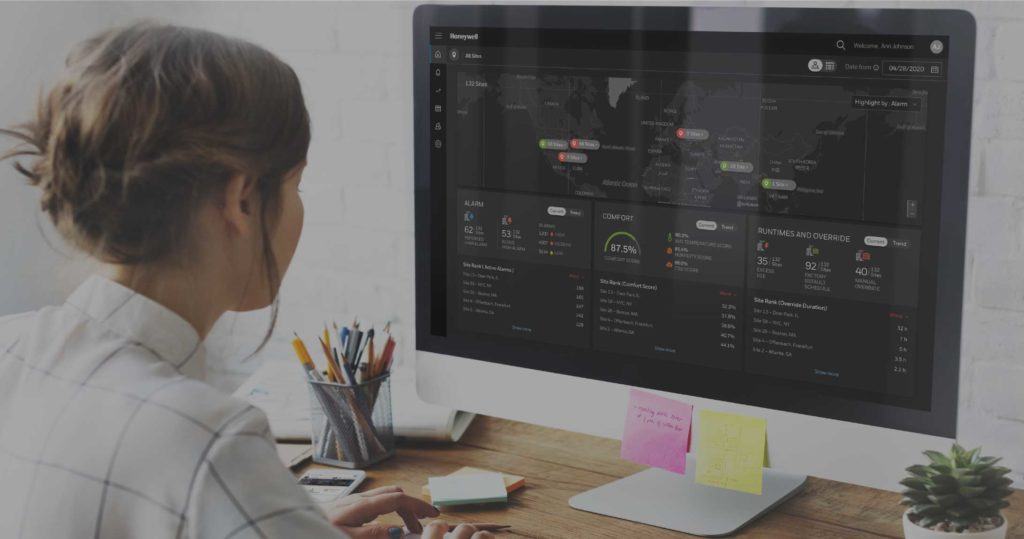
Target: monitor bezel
x,y
959,25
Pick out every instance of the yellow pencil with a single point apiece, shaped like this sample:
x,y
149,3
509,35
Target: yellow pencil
x,y
304,358
331,375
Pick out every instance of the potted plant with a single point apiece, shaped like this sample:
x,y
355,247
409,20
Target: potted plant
x,y
956,495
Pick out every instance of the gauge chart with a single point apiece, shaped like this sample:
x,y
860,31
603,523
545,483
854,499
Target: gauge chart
x,y
622,246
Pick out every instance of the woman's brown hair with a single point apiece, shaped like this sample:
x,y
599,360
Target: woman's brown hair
x,y
147,121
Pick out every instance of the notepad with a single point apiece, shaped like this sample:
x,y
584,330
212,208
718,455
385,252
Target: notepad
x,y
512,482
731,451
462,489
657,431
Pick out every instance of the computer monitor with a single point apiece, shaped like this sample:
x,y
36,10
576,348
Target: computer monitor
x,y
760,210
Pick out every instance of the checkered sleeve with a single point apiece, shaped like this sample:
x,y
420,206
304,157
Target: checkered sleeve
x,y
242,490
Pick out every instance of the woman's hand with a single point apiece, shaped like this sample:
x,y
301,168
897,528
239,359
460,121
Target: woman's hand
x,y
437,529
355,510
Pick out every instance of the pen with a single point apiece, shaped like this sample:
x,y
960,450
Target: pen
x,y
366,342
349,375
353,345
486,527
370,360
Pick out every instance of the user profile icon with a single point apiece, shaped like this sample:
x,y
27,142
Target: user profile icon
x,y
814,65
936,46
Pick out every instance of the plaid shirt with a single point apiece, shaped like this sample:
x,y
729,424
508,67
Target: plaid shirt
x,y
106,430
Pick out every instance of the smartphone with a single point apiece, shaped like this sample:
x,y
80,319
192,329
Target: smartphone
x,y
328,486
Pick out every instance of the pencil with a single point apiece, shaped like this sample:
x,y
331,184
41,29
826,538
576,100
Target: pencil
x,y
303,354
331,374
388,355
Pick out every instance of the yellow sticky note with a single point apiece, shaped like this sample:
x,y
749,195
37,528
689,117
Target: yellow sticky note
x,y
731,451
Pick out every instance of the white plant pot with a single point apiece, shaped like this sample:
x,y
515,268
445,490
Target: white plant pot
x,y
913,531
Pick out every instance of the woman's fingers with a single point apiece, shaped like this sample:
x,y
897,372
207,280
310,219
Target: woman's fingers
x,y
409,508
412,521
468,531
379,490
375,531
464,531
413,511
355,497
438,528
435,530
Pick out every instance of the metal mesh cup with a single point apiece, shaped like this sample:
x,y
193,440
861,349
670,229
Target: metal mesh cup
x,y
352,425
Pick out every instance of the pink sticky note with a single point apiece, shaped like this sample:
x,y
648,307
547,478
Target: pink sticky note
x,y
657,431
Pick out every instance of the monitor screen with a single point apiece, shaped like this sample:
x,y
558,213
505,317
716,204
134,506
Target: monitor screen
x,y
750,216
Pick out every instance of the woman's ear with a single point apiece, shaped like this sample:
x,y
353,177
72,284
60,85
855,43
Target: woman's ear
x,y
239,205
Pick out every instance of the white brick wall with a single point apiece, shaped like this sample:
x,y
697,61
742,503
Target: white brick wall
x,y
356,255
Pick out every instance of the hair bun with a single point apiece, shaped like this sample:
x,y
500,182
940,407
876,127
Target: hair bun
x,y
147,121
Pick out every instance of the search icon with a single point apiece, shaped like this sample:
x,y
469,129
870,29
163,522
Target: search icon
x,y
840,44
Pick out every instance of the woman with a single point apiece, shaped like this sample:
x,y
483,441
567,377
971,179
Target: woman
x,y
173,156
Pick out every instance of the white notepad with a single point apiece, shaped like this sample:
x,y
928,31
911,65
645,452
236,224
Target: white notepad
x,y
462,489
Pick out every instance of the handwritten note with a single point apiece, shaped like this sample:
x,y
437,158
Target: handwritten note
x,y
657,431
731,451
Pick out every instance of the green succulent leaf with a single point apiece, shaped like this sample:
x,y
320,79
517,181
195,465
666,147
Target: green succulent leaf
x,y
927,509
978,468
970,492
980,503
945,500
994,472
999,493
919,496
960,511
999,483
914,483
942,488
989,460
969,480
938,458
920,470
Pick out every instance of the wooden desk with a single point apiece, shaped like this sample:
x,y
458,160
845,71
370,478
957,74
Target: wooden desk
x,y
559,464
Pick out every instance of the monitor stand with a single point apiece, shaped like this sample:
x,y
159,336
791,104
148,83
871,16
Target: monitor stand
x,y
675,502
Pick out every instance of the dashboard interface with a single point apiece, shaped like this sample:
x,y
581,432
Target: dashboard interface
x,y
759,206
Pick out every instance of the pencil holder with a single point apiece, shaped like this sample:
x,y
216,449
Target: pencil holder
x,y
352,425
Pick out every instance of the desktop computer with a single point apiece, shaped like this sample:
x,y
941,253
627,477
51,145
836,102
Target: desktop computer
x,y
755,210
